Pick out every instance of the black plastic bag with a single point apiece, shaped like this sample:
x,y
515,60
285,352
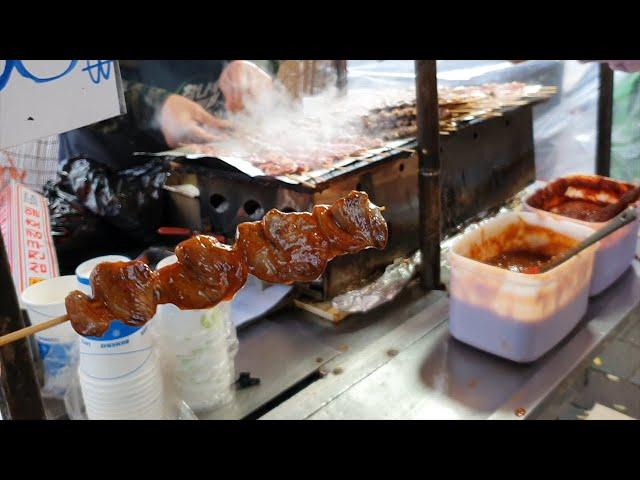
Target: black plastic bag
x,y
73,226
89,203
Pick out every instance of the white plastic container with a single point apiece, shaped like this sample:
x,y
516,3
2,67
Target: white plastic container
x,y
58,346
616,251
198,349
515,315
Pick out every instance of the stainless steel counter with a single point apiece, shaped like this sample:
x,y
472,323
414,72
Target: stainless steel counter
x,y
290,346
433,376
400,362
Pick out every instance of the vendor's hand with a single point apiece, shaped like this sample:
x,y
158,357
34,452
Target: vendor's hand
x,y
241,81
185,121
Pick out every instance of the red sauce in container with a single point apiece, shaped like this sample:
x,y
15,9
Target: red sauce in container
x,y
580,197
521,248
521,261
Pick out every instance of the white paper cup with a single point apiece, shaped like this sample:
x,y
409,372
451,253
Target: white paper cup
x,y
123,349
45,300
138,395
125,402
151,411
83,271
105,391
137,378
131,405
120,352
166,261
58,346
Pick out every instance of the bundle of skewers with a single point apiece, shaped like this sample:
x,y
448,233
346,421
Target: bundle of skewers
x,y
274,159
281,248
285,143
456,106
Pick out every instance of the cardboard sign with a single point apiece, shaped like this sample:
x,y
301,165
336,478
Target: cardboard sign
x,y
39,98
24,224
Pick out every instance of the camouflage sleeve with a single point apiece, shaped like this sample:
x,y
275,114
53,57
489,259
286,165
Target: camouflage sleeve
x,y
143,107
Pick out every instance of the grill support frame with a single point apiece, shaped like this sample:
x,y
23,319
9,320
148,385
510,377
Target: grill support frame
x,y
429,179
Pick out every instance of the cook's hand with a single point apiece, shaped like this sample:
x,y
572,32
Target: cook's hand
x,y
242,80
185,121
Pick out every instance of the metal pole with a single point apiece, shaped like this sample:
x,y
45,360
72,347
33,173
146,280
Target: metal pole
x,y
341,75
605,119
429,171
18,378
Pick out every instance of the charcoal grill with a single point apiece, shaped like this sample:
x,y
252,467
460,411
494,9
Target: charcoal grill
x,y
483,164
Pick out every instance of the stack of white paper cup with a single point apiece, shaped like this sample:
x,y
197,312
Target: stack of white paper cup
x,y
83,271
198,349
58,346
119,373
120,376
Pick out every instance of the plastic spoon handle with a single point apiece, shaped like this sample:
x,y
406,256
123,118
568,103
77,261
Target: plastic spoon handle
x,y
615,208
624,218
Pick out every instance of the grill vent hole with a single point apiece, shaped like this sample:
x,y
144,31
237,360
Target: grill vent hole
x,y
218,202
252,207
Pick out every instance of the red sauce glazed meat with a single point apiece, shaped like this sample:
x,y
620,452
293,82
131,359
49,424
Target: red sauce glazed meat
x,y
281,248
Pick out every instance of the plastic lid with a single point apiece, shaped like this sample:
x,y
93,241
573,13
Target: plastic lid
x,y
83,271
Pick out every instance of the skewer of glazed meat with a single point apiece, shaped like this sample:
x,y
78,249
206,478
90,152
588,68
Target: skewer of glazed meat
x,y
281,248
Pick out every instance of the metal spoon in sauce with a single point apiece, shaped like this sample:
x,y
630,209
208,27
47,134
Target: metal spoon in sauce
x,y
622,219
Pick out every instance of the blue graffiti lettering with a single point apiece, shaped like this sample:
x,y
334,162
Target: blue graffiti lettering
x,y
97,70
101,68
